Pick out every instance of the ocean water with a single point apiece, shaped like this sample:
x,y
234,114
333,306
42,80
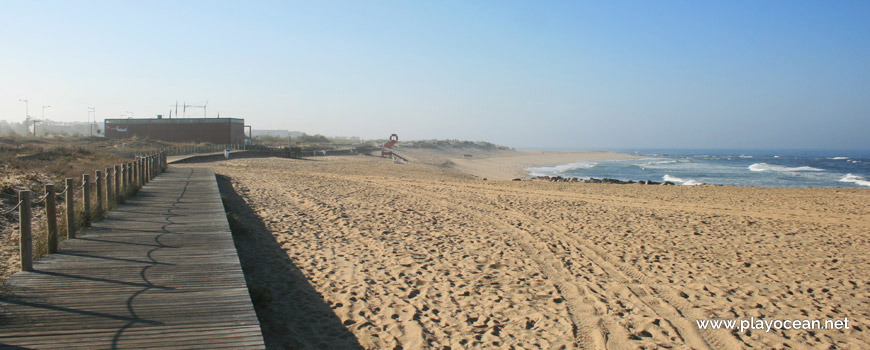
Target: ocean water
x,y
728,167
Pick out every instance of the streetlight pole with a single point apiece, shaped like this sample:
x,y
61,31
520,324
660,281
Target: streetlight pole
x,y
26,114
43,119
91,126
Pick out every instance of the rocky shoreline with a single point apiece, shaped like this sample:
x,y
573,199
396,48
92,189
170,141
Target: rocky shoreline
x,y
594,180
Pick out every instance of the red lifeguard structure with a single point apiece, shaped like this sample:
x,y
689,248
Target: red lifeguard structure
x,y
387,150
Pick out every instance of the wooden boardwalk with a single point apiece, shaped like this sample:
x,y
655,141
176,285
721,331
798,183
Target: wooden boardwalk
x,y
161,271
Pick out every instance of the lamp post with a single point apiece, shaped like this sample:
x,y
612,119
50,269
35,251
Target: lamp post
x,y
26,114
91,126
43,119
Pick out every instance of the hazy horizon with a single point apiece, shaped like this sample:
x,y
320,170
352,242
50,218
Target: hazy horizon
x,y
633,75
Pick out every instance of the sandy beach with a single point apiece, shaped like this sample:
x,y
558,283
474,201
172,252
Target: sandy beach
x,y
362,251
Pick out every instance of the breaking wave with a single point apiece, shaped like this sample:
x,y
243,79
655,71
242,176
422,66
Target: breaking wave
x,y
680,181
560,169
780,168
860,180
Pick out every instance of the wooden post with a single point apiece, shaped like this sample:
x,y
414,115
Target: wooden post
x,y
25,239
117,185
99,190
145,170
130,174
86,199
123,173
70,210
51,218
109,198
136,173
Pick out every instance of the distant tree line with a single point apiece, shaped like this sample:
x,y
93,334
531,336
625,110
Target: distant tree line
x,y
12,129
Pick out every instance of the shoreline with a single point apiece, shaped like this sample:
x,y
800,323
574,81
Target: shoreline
x,y
501,164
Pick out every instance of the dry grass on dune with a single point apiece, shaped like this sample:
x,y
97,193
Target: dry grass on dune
x,y
419,256
30,163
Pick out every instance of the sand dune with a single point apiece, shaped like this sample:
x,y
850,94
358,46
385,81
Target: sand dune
x,y
419,256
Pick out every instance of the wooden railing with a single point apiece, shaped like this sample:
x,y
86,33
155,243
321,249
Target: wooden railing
x,y
111,188
199,149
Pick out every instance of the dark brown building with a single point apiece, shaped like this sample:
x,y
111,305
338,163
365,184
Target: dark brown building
x,y
213,130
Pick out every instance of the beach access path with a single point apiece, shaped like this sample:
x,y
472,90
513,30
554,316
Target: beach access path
x,y
160,271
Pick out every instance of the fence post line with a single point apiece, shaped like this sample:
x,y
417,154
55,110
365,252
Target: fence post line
x,y
108,189
117,198
86,198
51,218
70,209
99,191
25,238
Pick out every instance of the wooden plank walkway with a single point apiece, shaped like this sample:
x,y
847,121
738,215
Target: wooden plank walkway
x,y
161,271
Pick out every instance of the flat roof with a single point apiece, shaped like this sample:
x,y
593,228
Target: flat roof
x,y
175,121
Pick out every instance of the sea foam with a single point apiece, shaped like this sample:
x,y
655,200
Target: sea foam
x,y
681,181
768,167
560,169
860,180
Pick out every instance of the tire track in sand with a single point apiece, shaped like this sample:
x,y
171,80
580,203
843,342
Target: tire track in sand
x,y
661,300
654,293
591,331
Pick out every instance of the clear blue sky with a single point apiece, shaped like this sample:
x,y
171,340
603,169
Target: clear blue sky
x,y
598,74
